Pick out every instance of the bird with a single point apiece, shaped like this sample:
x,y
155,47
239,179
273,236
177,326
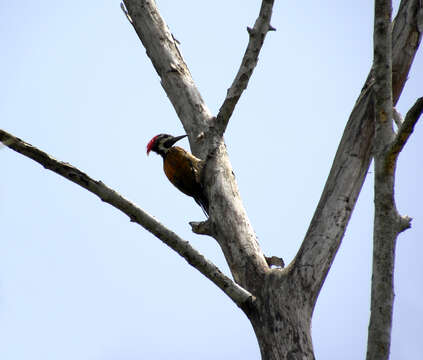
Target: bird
x,y
181,167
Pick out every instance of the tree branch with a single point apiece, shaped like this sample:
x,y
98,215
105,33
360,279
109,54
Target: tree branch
x,y
404,132
249,61
228,219
240,296
388,224
352,161
382,70
406,38
176,79
385,228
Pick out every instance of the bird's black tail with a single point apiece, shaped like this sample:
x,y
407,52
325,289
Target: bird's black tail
x,y
204,203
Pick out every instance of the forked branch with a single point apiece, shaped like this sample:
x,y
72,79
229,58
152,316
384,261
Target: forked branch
x,y
344,183
240,296
231,226
388,223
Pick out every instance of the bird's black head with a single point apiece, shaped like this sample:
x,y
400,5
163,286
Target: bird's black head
x,y
161,143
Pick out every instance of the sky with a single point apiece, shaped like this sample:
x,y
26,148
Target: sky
x,y
78,280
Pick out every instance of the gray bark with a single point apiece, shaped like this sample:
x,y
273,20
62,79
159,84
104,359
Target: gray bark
x,y
386,217
388,223
249,61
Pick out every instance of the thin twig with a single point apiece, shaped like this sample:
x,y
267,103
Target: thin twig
x,y
240,296
249,61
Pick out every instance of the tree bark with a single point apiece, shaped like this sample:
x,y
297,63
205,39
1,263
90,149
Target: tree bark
x,y
386,217
353,157
388,223
282,318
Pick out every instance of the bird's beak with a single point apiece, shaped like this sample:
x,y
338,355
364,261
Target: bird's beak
x,y
176,138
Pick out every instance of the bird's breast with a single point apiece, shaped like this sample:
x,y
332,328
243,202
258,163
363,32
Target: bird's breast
x,y
181,170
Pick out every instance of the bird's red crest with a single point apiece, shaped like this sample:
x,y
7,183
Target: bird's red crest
x,y
151,144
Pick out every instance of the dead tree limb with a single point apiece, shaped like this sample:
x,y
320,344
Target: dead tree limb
x,y
231,226
352,159
240,296
385,228
249,61
405,129
176,79
388,223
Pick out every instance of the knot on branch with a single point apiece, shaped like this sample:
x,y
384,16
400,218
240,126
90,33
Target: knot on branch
x,y
174,68
249,306
251,31
275,261
404,222
201,227
200,137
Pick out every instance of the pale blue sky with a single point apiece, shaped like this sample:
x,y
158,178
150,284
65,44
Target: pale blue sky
x,y
79,281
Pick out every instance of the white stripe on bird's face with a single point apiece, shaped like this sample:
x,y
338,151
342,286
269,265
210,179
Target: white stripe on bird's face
x,y
162,143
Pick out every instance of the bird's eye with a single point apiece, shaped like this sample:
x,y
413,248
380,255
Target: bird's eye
x,y
168,143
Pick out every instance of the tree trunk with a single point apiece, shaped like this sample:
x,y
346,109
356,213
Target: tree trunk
x,y
282,320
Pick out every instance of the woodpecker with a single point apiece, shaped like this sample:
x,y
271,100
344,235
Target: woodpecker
x,y
181,168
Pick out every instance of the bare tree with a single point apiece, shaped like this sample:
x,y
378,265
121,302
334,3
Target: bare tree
x,y
279,302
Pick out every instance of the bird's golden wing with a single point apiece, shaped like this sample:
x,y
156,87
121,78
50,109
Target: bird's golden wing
x,y
184,171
